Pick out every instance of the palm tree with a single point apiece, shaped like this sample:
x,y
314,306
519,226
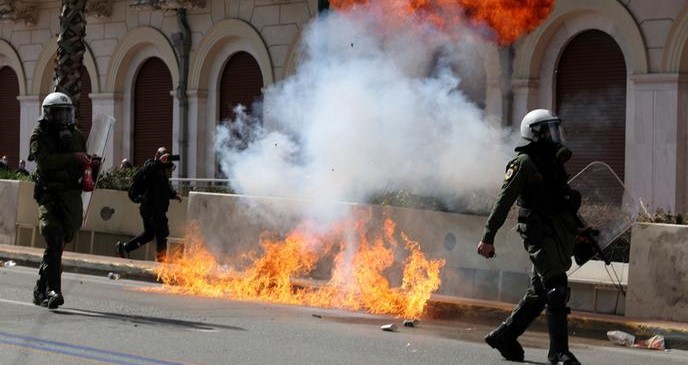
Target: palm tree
x,y
70,50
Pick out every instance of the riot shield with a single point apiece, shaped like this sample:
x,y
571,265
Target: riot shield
x,y
98,138
606,205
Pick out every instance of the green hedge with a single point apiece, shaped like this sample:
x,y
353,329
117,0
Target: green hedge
x,y
13,175
116,178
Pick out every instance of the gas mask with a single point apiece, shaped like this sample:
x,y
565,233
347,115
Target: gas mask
x,y
551,134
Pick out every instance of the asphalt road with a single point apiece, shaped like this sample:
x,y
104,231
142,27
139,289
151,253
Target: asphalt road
x,y
108,321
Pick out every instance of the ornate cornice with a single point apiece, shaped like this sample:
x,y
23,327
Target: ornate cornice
x,y
99,8
168,4
18,10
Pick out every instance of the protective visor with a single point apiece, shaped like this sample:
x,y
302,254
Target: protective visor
x,y
63,115
551,130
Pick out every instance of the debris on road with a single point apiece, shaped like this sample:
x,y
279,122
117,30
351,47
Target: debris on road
x,y
410,322
621,338
655,342
113,276
9,263
316,315
389,327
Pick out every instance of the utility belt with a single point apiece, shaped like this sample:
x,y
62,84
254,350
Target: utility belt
x,y
40,188
527,215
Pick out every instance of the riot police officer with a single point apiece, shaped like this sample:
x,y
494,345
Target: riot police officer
x,y
59,150
547,223
157,193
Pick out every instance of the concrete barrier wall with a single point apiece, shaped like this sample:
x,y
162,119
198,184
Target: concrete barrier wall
x,y
9,193
658,272
231,224
111,217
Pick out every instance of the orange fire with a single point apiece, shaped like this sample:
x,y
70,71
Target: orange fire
x,y
358,279
508,18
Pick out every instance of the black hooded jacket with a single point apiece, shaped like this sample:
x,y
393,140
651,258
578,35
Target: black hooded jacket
x,y
158,191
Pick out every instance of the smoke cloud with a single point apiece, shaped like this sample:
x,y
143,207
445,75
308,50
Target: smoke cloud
x,y
373,106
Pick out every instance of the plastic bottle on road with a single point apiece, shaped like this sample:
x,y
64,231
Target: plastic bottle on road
x,y
621,338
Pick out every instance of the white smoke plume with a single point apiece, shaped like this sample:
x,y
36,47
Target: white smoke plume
x,y
373,106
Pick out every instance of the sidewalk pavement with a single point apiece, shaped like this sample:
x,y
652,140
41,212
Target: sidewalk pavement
x,y
584,324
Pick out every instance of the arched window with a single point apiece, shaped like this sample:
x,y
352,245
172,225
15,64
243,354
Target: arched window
x,y
241,83
591,100
152,110
10,120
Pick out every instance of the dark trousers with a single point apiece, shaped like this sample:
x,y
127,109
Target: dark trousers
x,y
60,215
50,270
154,226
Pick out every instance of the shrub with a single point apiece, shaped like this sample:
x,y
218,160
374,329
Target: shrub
x,y
116,178
661,216
406,199
13,175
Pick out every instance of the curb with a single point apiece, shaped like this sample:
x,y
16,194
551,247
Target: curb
x,y
582,324
83,263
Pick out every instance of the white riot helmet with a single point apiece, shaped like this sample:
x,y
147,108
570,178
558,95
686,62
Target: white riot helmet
x,y
58,109
541,124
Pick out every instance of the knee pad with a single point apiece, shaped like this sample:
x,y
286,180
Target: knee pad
x,y
557,293
557,298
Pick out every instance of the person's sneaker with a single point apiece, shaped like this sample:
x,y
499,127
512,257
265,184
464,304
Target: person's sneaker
x,y
54,299
563,358
39,296
119,249
509,348
161,256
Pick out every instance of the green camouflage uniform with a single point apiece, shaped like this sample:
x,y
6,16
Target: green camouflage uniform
x,y
58,194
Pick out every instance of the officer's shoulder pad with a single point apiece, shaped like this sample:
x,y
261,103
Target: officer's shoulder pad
x,y
37,131
524,158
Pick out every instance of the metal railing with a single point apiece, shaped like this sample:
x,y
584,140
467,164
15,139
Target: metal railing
x,y
210,185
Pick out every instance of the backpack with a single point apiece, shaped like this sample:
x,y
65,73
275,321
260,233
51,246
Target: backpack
x,y
137,189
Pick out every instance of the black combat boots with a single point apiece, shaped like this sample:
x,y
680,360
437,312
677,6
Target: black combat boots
x,y
121,249
563,358
39,295
502,339
505,337
557,325
54,299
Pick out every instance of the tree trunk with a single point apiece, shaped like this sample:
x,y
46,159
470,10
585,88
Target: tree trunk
x,y
70,50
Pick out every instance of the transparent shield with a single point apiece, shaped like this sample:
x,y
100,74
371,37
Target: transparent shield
x,y
98,138
606,204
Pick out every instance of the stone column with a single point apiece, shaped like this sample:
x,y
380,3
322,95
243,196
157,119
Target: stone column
x,y
201,133
525,98
655,141
30,111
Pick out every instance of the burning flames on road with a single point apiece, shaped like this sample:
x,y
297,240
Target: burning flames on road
x,y
508,18
279,274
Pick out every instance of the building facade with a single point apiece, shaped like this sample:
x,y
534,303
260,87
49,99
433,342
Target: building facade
x,y
612,69
132,70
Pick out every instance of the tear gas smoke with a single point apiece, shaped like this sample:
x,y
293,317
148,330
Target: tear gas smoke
x,y
373,106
